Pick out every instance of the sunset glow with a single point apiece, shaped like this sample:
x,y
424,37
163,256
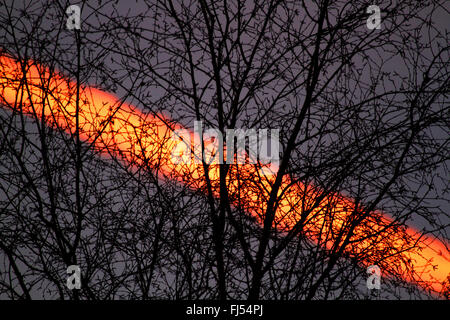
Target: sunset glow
x,y
125,132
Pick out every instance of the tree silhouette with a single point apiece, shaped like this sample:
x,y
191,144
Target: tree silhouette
x,y
86,180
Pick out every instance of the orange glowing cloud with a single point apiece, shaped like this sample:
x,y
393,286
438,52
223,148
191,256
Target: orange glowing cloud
x,y
123,131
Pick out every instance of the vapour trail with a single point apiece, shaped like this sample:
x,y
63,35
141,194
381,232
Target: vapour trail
x,y
123,131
